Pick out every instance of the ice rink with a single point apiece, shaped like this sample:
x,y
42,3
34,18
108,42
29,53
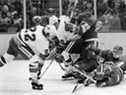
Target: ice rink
x,y
14,81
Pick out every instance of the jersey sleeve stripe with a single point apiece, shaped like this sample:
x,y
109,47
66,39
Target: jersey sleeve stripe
x,y
24,47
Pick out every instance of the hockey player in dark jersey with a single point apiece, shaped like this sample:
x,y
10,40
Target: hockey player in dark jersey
x,y
115,56
109,70
103,66
88,35
108,74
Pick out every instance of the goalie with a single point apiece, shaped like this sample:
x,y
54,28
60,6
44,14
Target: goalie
x,y
108,71
110,74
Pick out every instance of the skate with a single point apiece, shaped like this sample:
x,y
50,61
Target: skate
x,y
36,86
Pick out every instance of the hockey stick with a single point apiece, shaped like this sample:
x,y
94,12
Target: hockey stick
x,y
52,53
46,69
84,74
76,87
69,46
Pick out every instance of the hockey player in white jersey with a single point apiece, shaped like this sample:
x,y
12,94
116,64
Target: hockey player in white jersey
x,y
32,44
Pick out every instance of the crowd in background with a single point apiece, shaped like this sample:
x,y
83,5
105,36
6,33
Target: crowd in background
x,y
113,12
10,15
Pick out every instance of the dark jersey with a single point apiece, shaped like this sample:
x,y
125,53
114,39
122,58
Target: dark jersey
x,y
111,75
87,60
108,56
81,43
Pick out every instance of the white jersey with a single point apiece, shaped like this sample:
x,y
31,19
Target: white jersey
x,y
62,33
35,39
51,30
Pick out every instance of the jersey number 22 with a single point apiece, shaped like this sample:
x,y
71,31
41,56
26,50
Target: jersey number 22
x,y
31,37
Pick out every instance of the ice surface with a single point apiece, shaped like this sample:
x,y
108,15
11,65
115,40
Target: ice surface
x,y
14,81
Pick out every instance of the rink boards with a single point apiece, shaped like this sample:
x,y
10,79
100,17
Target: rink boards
x,y
14,76
107,40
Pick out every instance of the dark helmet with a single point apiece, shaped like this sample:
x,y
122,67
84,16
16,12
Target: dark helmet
x,y
86,17
117,48
117,51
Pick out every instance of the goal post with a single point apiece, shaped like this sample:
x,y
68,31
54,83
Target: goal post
x,y
24,14
95,8
60,7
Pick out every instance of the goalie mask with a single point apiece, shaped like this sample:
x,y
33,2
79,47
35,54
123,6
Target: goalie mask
x,y
117,51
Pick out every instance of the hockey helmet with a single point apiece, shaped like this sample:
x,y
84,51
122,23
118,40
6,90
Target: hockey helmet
x,y
53,19
64,18
117,51
86,17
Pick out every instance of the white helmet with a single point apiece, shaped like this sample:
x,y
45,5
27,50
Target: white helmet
x,y
53,19
65,18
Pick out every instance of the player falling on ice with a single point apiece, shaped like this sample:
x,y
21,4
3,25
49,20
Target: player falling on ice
x,y
32,44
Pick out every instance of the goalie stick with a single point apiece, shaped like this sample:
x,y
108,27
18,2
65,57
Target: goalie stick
x,y
88,77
